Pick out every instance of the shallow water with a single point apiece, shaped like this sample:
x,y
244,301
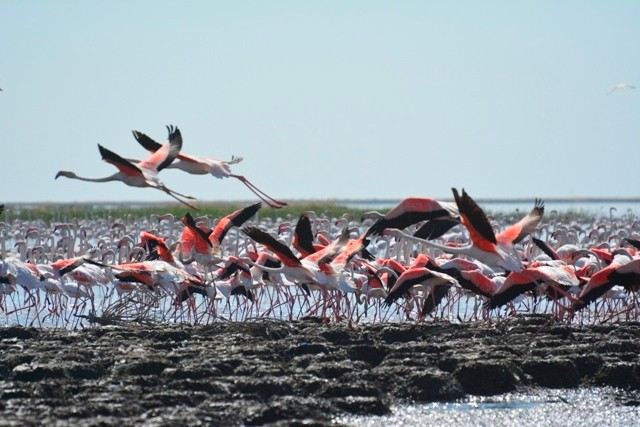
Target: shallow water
x,y
561,407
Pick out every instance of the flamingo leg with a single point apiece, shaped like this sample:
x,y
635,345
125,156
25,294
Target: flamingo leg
x,y
276,204
173,194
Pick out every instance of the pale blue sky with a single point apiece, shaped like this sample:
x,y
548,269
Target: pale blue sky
x,y
330,99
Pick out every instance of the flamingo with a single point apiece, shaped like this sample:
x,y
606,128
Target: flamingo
x,y
311,269
597,286
208,165
487,247
434,283
144,173
627,275
412,210
204,240
557,278
238,277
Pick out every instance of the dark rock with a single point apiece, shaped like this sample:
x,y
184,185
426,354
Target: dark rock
x,y
193,372
372,354
332,370
306,348
618,346
308,385
362,405
352,388
291,407
487,377
588,364
431,385
336,336
265,387
19,332
144,367
621,374
554,373
14,393
392,334
226,366
294,373
37,372
204,385
85,371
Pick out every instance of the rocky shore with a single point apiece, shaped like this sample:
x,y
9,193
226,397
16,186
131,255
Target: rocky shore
x,y
294,373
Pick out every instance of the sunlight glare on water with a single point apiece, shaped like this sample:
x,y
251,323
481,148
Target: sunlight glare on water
x,y
562,407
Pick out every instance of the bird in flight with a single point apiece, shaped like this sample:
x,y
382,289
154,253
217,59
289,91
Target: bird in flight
x,y
620,86
495,250
145,172
208,165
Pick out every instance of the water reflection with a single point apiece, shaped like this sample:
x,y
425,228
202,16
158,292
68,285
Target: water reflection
x,y
559,407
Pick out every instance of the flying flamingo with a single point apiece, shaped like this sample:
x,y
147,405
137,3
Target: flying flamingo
x,y
627,275
487,247
415,209
556,279
434,283
145,172
207,242
622,271
314,269
208,165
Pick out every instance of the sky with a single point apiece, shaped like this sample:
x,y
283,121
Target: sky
x,y
324,100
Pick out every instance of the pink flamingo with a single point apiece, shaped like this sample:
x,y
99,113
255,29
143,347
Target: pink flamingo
x,y
487,247
208,165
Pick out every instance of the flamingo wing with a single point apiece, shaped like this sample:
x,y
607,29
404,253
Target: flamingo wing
x,y
434,297
406,281
435,228
544,247
146,142
303,236
234,219
123,165
65,266
167,152
518,231
411,211
151,145
516,284
474,218
627,275
281,250
200,235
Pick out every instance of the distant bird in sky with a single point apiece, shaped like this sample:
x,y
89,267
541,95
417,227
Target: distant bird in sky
x,y
620,86
145,172
208,165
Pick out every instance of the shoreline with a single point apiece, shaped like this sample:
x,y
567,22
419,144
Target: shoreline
x,y
270,371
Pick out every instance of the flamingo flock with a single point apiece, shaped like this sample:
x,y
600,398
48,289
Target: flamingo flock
x,y
422,259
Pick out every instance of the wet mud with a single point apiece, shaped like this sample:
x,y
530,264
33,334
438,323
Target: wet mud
x,y
303,372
